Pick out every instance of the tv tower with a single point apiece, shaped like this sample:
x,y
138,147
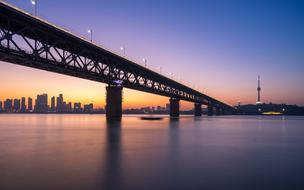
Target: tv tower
x,y
259,91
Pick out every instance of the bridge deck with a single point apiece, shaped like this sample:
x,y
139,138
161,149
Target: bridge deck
x,y
33,42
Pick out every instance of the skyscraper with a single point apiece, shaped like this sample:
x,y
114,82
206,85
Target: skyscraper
x,y
64,107
259,91
23,106
8,105
16,107
0,106
77,107
88,108
41,105
53,104
59,102
69,107
30,104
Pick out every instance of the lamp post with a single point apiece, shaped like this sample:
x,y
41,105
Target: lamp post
x,y
145,62
90,31
160,69
123,49
34,2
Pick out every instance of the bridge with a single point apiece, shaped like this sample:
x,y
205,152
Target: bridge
x,y
33,42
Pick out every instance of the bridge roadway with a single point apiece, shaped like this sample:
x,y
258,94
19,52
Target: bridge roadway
x,y
33,42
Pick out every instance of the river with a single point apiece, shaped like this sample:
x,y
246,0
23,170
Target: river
x,y
85,152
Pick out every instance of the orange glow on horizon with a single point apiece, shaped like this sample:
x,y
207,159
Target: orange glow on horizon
x,y
30,82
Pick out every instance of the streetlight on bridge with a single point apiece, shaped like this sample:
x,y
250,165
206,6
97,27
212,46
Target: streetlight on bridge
x,y
90,31
123,49
145,62
160,69
34,2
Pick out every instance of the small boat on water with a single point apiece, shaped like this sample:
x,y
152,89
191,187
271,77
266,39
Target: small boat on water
x,y
151,118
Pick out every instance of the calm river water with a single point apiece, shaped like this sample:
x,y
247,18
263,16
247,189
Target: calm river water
x,y
84,152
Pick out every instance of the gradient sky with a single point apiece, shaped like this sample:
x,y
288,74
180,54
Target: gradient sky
x,y
217,46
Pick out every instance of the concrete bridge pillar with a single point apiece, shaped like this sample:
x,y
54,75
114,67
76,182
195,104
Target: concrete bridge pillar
x,y
113,102
210,109
197,109
174,107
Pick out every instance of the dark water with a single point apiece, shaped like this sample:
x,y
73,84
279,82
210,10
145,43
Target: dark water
x,y
84,152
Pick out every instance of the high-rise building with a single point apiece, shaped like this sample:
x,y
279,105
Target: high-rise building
x,y
77,107
16,107
69,107
8,105
64,107
53,104
88,108
59,102
1,106
23,106
30,104
41,105
167,107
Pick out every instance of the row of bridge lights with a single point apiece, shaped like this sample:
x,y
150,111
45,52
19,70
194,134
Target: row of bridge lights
x,y
122,48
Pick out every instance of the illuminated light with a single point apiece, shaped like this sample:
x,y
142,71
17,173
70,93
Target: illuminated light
x,y
118,82
160,69
33,2
145,61
90,31
272,113
123,49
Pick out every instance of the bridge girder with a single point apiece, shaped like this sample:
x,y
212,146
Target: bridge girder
x,y
32,42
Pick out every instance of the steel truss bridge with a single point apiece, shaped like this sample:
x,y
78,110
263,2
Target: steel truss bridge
x,y
30,41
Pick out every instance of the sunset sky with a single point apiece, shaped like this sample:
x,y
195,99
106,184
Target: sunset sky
x,y
218,46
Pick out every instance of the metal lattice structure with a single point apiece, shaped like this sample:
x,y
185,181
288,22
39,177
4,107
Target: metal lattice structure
x,y
32,42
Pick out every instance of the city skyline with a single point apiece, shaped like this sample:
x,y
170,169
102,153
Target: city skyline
x,y
230,77
43,103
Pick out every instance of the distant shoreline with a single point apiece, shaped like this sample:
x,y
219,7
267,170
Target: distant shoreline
x,y
34,113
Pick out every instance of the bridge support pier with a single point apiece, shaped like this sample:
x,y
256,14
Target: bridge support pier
x,y
197,109
113,103
174,107
210,109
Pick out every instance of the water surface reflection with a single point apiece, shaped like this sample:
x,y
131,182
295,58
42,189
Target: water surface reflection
x,y
86,152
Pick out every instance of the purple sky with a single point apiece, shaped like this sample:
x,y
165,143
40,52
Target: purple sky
x,y
219,47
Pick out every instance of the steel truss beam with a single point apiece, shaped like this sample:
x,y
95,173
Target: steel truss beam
x,y
28,41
